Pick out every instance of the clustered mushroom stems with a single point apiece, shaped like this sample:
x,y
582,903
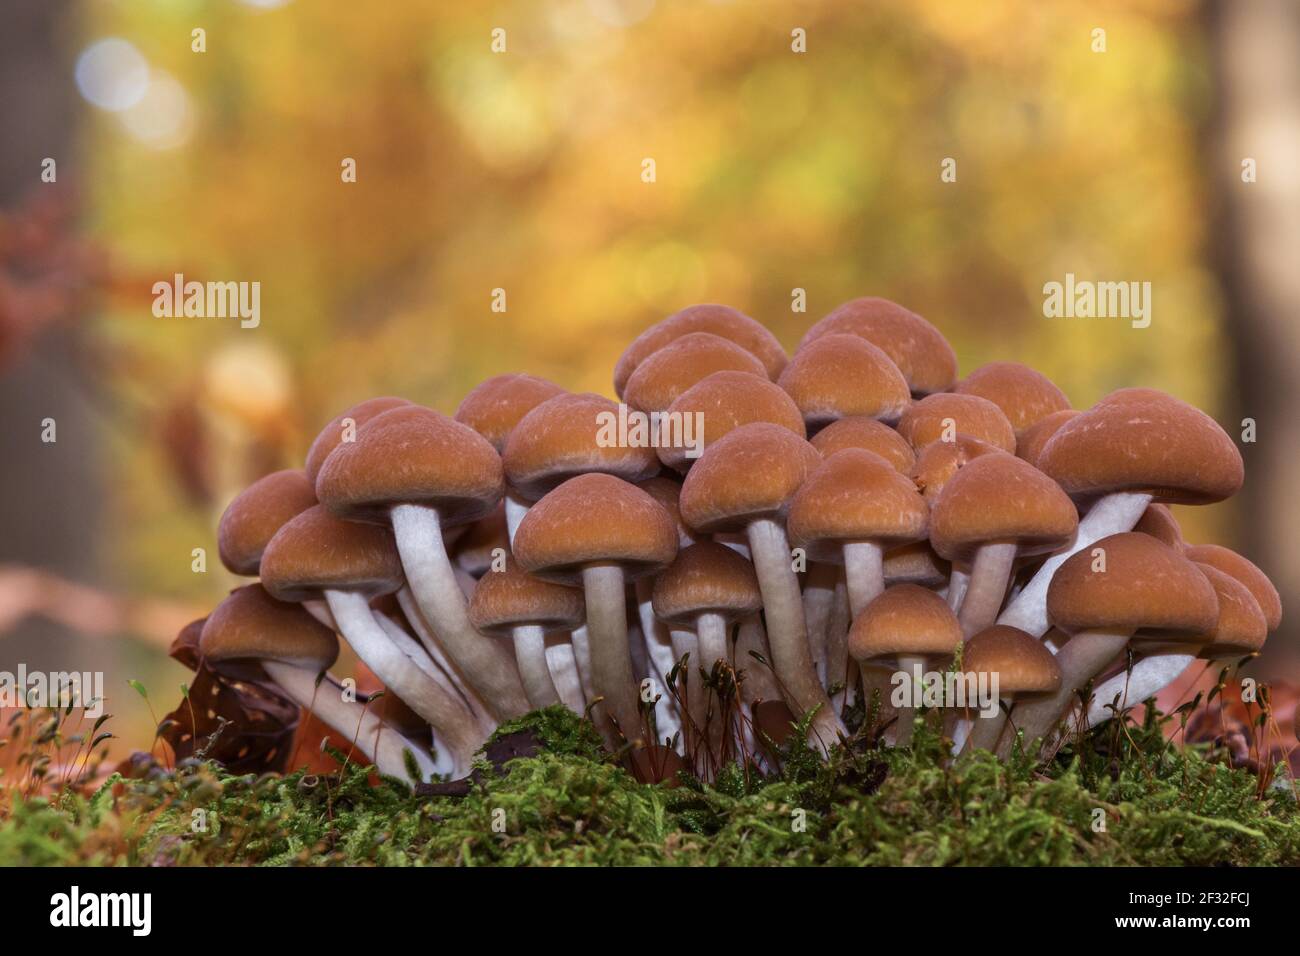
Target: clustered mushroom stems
x,y
990,571
1147,677
464,690
838,663
686,647
611,656
906,725
580,640
355,722
659,652
485,664
563,665
1112,514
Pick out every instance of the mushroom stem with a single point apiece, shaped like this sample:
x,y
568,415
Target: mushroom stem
x,y
958,582
381,744
530,652
1148,677
759,684
1113,514
989,574
563,666
985,732
787,631
864,573
1081,659
911,667
837,645
877,687
818,599
516,508
611,658
406,600
581,643
394,669
487,665
687,645
659,649
712,632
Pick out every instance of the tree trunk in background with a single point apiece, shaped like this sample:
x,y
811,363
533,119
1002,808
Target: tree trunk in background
x,y
50,495
1255,49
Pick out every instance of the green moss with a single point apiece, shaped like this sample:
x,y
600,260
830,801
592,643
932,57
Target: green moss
x,y
1116,799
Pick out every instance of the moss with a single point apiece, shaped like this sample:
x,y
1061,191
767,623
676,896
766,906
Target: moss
x,y
1116,799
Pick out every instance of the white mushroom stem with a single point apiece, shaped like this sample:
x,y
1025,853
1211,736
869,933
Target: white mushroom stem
x,y
516,508
957,584
611,659
563,666
455,725
985,731
659,649
1113,514
911,667
1149,676
864,573
487,665
818,599
581,644
711,629
411,611
759,684
837,645
787,631
1083,657
989,574
413,651
382,745
877,688
687,645
530,653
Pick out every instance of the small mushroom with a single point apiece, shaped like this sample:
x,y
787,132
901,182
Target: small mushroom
x,y
1025,396
857,431
665,374
1018,666
253,517
944,416
837,376
725,401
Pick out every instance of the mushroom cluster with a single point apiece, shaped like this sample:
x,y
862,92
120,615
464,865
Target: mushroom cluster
x,y
838,527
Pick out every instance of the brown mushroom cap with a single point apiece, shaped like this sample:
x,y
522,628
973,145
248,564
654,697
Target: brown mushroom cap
x,y
706,578
476,548
837,375
919,350
720,320
1159,522
1245,571
1001,498
1030,442
928,420
412,455
916,563
331,435
728,400
1240,629
595,519
494,407
869,434
504,600
1147,587
1025,396
681,363
251,625
562,438
255,514
667,492
940,460
906,620
316,551
854,495
1143,441
1022,663
749,473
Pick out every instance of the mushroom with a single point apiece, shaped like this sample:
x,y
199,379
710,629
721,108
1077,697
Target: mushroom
x,y
477,549
1249,609
665,374
315,555
857,431
743,482
708,587
992,511
1031,441
906,629
919,350
850,510
294,650
423,473
1134,587
725,401
255,514
493,408
944,416
1132,447
720,320
840,375
347,423
517,605
1018,666
600,531
1025,396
